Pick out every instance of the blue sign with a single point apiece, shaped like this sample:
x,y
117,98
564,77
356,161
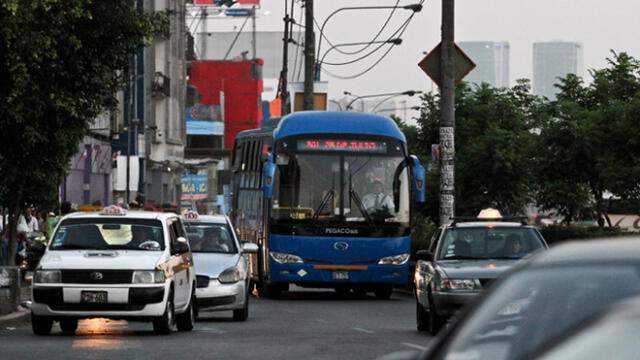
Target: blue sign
x,y
194,187
204,120
237,12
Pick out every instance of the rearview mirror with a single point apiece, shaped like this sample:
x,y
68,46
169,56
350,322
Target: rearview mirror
x,y
181,246
249,248
417,170
267,178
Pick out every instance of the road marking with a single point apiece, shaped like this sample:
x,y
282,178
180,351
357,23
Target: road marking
x,y
210,330
415,346
321,321
363,330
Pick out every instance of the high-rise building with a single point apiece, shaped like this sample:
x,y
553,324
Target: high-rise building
x,y
492,62
554,60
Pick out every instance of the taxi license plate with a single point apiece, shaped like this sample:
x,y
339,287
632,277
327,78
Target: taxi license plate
x,y
340,275
94,297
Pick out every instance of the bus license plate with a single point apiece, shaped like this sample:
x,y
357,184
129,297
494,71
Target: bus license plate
x,y
340,275
94,297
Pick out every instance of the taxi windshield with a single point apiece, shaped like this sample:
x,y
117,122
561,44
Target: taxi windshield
x,y
109,234
210,238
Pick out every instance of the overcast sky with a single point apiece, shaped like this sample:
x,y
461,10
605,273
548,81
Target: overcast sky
x,y
598,25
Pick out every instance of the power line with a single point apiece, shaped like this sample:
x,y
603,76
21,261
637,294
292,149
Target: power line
x,y
236,38
404,28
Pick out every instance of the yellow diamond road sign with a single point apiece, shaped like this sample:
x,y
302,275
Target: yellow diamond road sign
x,y
431,64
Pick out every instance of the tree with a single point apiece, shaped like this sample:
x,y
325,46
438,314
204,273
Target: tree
x,y
494,145
588,147
61,64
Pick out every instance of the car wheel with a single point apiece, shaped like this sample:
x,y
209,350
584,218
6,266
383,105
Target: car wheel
x,y
383,293
41,325
242,314
422,317
435,321
163,325
185,320
69,326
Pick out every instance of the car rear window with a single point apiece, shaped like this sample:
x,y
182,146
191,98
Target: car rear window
x,y
210,237
489,242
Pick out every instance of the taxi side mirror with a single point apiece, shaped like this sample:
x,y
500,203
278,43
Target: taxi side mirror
x,y
250,248
181,246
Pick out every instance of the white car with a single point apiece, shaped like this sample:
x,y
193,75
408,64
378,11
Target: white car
x,y
115,264
222,272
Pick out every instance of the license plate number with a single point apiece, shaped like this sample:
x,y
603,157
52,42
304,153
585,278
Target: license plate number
x,y
340,275
94,297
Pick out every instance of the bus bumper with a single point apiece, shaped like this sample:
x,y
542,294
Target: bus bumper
x,y
336,274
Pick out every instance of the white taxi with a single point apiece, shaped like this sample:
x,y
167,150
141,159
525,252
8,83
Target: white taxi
x,y
115,264
222,272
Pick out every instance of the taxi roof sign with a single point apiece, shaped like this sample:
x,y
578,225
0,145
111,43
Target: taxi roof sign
x,y
113,210
489,213
191,215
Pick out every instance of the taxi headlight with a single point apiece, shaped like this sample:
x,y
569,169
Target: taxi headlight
x,y
394,260
282,258
230,275
148,276
47,277
457,284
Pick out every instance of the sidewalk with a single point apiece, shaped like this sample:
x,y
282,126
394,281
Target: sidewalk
x,y
20,317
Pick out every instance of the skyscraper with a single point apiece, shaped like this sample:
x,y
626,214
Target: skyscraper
x,y
554,60
492,62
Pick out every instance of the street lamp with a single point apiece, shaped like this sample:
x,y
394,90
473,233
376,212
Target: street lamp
x,y
388,95
394,41
409,93
413,7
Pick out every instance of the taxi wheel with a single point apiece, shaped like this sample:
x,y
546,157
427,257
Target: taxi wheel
x,y
422,317
69,326
163,325
435,321
185,320
41,325
242,314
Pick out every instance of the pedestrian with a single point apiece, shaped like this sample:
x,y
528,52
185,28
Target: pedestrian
x,y
28,220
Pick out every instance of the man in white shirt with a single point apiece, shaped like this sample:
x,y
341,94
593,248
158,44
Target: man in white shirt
x,y
28,220
377,201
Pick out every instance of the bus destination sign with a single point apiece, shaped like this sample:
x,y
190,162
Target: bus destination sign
x,y
342,145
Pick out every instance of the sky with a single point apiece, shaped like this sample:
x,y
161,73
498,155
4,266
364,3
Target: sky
x,y
598,25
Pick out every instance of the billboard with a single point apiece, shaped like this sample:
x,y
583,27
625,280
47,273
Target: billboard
x,y
194,186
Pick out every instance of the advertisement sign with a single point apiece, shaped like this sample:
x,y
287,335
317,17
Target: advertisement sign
x,y
194,187
204,120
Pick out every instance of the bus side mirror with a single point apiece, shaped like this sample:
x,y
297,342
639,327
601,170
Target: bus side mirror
x,y
269,171
418,172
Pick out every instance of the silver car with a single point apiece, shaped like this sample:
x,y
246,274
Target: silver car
x,y
222,271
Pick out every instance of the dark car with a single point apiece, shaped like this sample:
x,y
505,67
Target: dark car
x,y
534,304
464,258
612,334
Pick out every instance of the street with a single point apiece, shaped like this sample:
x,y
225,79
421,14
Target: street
x,y
304,323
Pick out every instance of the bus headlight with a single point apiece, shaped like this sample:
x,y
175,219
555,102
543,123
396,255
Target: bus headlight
x,y
148,276
47,277
282,258
230,275
394,260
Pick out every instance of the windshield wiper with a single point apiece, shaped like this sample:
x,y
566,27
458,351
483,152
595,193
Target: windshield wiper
x,y
78,247
325,200
367,217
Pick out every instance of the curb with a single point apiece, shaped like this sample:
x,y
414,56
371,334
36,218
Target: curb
x,y
15,319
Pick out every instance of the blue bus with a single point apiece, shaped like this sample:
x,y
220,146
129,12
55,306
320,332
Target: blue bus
x,y
326,196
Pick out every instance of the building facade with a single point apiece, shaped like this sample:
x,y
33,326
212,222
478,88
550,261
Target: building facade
x,y
492,62
554,60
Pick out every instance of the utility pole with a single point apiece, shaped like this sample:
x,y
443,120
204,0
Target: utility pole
x,y
285,59
309,55
253,32
447,120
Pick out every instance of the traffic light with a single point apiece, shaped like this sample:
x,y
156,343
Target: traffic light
x,y
227,3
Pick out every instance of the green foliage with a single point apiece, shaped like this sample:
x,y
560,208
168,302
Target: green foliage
x,y
494,145
557,233
61,64
422,231
589,146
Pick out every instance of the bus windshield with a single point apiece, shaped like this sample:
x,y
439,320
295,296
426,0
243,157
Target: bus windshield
x,y
344,189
